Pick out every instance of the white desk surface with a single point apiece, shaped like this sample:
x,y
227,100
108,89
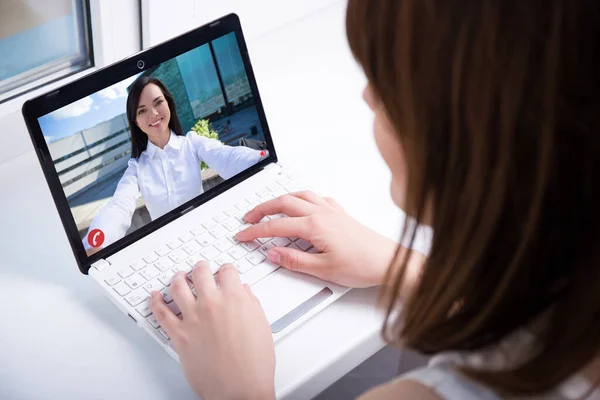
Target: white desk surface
x,y
61,338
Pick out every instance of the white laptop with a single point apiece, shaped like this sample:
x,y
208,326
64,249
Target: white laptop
x,y
132,228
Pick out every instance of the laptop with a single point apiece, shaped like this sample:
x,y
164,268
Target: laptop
x,y
137,210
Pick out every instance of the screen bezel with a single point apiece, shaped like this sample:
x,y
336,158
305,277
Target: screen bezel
x,y
110,75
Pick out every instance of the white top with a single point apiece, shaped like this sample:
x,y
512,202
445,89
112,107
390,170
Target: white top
x,y
167,178
442,377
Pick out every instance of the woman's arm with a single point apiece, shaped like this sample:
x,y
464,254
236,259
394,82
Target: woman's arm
x,y
114,218
226,160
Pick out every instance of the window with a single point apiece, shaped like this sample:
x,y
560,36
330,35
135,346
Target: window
x,y
40,42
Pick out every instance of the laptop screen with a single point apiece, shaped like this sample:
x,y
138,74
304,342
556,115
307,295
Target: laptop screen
x,y
131,152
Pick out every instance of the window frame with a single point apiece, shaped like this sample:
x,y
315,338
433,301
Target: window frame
x,y
59,69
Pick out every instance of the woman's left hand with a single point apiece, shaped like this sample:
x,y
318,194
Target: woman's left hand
x,y
224,340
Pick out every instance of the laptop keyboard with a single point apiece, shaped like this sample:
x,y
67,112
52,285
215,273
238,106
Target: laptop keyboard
x,y
213,241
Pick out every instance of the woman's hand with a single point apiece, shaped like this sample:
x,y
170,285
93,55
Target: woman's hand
x,y
224,341
349,253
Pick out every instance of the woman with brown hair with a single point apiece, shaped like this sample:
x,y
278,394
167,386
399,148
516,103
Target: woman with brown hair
x,y
487,114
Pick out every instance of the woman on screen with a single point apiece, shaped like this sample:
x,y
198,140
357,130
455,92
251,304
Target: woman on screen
x,y
165,163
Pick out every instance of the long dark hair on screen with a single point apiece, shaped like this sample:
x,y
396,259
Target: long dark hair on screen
x,y
139,140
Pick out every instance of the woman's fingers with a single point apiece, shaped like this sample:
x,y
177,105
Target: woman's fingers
x,y
203,279
182,293
287,204
296,260
228,277
311,197
281,227
164,315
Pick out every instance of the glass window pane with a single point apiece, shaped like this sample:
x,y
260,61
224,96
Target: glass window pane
x,y
202,85
39,39
232,69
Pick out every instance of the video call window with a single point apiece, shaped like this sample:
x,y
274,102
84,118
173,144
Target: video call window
x,y
134,151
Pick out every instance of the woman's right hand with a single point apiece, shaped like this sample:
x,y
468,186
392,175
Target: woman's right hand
x,y
349,253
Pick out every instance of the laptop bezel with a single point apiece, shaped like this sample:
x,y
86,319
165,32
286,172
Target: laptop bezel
x,y
114,73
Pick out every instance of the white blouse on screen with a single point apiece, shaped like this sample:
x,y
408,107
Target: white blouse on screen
x,y
167,178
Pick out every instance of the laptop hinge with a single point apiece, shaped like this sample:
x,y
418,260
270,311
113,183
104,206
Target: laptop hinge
x,y
100,264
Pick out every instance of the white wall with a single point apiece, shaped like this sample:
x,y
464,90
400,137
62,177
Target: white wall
x,y
116,35
162,20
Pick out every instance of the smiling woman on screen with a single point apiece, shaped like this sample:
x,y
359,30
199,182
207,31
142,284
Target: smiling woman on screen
x,y
164,165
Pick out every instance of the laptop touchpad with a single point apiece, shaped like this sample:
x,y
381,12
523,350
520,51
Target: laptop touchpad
x,y
286,296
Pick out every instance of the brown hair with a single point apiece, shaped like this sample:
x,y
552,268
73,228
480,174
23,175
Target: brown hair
x,y
497,106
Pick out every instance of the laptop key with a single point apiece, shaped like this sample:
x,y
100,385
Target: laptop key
x,y
175,244
230,212
220,217
162,251
178,256
195,259
164,264
122,289
218,232
153,285
185,267
264,240
192,247
262,193
232,239
153,321
256,257
281,242
252,199
231,224
144,308
162,331
165,277
237,252
197,231
135,281
150,258
209,224
205,239
273,187
210,252
125,272
250,246
242,205
138,265
243,266
265,248
186,237
150,273
136,297
284,180
303,244
166,294
223,259
112,281
223,245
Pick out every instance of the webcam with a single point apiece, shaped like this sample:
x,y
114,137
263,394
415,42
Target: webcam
x,y
141,64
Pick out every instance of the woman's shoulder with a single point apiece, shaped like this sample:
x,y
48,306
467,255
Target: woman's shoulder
x,y
400,389
433,382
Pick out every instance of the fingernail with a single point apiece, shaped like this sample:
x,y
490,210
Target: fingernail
x,y
274,256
